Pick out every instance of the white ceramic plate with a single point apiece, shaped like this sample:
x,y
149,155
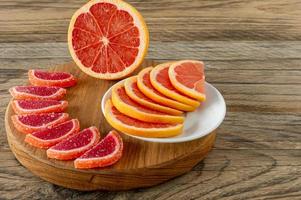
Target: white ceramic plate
x,y
197,124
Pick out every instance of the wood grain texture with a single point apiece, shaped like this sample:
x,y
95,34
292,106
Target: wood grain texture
x,y
143,164
252,51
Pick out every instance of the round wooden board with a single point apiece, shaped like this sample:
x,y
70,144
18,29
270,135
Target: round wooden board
x,y
143,164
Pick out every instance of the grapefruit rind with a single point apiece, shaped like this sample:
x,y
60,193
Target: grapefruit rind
x,y
44,144
159,98
74,153
182,88
152,105
24,128
55,108
174,130
110,159
34,80
59,94
133,112
171,94
139,23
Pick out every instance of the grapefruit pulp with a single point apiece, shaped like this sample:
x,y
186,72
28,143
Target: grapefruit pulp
x,y
107,39
75,145
107,152
43,78
34,122
50,136
137,127
160,80
188,77
145,86
38,106
128,107
134,93
37,92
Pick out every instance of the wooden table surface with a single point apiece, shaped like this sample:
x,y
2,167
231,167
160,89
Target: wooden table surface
x,y
253,54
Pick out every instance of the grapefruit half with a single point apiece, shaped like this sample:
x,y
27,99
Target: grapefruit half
x,y
129,107
145,86
75,145
107,152
134,93
50,136
38,106
107,39
43,78
188,77
137,127
160,80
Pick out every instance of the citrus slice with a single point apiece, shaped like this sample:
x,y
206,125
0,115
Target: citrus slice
x,y
134,93
59,79
50,136
127,106
75,145
160,80
145,86
35,122
37,92
188,77
107,39
136,127
38,106
107,152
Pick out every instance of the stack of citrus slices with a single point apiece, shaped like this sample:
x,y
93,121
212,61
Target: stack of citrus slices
x,y
39,114
152,104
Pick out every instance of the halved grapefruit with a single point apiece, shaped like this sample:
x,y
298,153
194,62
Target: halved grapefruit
x,y
134,93
75,145
50,136
137,127
37,92
107,39
43,78
188,77
107,152
35,122
38,106
160,80
145,86
129,107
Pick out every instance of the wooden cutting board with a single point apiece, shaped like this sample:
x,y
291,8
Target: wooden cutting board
x,y
143,164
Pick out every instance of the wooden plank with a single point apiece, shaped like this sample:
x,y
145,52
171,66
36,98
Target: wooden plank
x,y
180,20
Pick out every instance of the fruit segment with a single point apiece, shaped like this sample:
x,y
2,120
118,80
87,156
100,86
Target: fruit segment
x,y
188,77
134,93
127,106
37,92
107,152
75,145
133,126
50,136
43,78
160,80
38,106
145,86
107,39
34,122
